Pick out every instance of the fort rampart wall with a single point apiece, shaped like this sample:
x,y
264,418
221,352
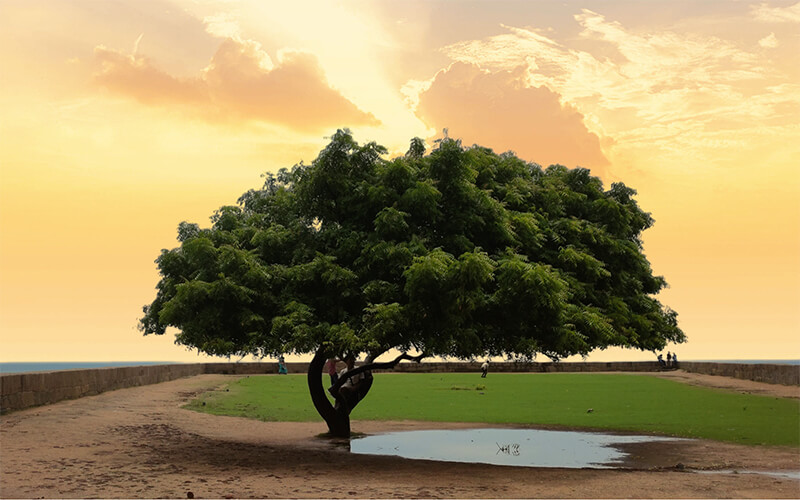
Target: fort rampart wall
x,y
24,390
759,372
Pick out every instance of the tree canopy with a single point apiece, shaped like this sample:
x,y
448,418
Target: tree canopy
x,y
462,252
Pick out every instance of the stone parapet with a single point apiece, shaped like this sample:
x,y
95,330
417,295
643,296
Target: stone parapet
x,y
24,390
532,367
252,368
758,372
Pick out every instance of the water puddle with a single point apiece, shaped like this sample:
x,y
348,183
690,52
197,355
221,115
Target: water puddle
x,y
516,447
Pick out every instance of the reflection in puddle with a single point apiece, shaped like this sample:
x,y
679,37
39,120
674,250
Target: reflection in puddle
x,y
519,447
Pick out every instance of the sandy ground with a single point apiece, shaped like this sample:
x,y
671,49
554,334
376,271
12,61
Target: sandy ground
x,y
139,443
731,384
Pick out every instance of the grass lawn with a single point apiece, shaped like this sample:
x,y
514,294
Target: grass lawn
x,y
620,402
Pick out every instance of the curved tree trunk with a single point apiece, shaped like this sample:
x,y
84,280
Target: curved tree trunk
x,y
338,420
338,417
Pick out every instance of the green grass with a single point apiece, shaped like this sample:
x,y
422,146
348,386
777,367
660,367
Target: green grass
x,y
619,402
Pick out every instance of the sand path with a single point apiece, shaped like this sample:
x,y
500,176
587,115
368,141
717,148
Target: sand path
x,y
139,443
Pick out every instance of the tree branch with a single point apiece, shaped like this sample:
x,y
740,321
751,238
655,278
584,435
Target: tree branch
x,y
388,365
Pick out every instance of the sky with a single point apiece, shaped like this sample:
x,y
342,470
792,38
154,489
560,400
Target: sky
x,y
119,119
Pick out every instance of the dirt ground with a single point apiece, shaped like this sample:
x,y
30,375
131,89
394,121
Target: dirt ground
x,y
139,443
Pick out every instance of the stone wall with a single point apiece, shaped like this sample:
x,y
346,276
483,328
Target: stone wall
x,y
459,367
24,390
759,372
251,368
771,374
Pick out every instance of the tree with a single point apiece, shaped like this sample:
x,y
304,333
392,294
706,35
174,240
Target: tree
x,y
459,253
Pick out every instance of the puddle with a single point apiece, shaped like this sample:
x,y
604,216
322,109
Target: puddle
x,y
516,447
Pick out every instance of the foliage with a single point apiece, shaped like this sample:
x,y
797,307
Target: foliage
x,y
636,403
462,252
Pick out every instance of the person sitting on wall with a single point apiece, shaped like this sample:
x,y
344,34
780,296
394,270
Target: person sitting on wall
x,y
355,387
674,360
282,366
661,362
332,370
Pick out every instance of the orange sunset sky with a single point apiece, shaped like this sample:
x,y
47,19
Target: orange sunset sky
x,y
120,119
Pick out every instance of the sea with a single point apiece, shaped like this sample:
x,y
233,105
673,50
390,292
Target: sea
x,y
50,366
750,361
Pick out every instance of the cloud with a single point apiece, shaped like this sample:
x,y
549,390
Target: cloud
x,y
763,12
135,76
223,25
645,66
240,83
497,110
769,42
671,92
137,42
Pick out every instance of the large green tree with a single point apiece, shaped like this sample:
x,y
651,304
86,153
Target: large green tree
x,y
460,253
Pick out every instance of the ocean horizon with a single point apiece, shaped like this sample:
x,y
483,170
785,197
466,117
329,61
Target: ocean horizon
x,y
49,366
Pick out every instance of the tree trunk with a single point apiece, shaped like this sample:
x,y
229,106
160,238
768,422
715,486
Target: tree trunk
x,y
338,417
338,420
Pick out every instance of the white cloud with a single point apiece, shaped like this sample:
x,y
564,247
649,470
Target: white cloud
x,y
223,25
412,89
657,85
136,43
769,42
763,12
